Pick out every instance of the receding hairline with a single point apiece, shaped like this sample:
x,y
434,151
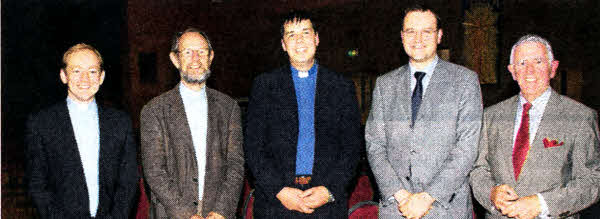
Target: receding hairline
x,y
425,11
78,48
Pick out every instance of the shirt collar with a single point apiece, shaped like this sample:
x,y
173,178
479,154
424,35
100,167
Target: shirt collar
x,y
539,101
429,69
189,93
312,71
81,107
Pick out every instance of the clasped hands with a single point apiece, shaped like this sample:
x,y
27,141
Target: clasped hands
x,y
211,215
506,200
303,201
414,205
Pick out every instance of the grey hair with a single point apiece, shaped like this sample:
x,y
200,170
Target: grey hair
x,y
532,38
175,41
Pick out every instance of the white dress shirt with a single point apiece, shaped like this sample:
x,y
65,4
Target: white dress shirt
x,y
84,118
196,110
429,69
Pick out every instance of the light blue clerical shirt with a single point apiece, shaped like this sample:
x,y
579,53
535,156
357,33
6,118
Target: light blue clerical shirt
x,y
305,86
535,117
84,118
196,110
429,69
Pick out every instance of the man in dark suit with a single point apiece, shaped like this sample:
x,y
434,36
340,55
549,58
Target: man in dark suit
x,y
81,156
538,153
303,132
423,128
192,140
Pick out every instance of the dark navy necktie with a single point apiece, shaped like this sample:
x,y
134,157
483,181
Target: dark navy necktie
x,y
417,96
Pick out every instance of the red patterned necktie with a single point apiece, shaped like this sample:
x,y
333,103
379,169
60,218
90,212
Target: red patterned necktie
x,y
521,148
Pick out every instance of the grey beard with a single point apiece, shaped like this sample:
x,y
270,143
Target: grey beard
x,y
191,80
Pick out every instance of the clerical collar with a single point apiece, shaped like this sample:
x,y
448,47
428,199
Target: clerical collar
x,y
305,74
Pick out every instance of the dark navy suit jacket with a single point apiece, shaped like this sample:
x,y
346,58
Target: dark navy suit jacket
x,y
54,169
272,134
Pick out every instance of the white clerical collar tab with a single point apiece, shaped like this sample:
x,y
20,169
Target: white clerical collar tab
x,y
302,74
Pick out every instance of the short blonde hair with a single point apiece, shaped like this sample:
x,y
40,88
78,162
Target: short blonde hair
x,y
79,47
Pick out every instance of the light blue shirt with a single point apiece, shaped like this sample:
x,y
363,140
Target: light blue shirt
x,y
196,110
84,118
429,69
305,84
535,117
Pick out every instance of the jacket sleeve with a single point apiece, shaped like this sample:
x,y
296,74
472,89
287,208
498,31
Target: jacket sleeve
x,y
376,143
154,158
38,172
231,189
260,160
481,178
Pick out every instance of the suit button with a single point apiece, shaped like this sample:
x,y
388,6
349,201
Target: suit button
x,y
195,203
195,179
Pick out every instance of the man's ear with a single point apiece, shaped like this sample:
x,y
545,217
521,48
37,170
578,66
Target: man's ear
x,y
553,67
102,74
63,76
283,45
511,69
174,59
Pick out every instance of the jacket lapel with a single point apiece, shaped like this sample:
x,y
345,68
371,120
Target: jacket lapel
x,y
212,144
436,88
73,157
401,109
506,129
180,128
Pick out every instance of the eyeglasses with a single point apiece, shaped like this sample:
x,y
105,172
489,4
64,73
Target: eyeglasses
x,y
190,52
427,33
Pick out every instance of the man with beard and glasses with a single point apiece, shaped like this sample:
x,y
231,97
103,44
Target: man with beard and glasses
x,y
191,140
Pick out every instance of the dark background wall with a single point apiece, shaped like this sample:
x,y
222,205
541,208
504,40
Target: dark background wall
x,y
134,39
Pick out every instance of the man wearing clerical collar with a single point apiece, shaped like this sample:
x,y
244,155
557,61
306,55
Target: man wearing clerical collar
x,y
538,152
192,140
81,155
303,132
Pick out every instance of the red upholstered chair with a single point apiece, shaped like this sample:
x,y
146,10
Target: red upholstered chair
x,y
362,192
364,210
247,208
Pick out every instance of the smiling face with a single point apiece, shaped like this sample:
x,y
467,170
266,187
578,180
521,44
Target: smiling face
x,y
193,59
532,70
420,37
300,41
83,75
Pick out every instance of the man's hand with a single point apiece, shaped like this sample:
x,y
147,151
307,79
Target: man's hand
x,y
417,205
214,215
502,196
315,197
290,198
196,216
525,208
402,196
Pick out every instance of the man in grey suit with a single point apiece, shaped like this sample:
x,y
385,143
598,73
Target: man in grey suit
x,y
423,128
192,140
538,154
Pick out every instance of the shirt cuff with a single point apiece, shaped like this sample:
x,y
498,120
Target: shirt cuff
x,y
543,205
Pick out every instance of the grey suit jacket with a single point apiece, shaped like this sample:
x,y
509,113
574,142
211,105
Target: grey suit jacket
x,y
436,155
169,160
567,176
